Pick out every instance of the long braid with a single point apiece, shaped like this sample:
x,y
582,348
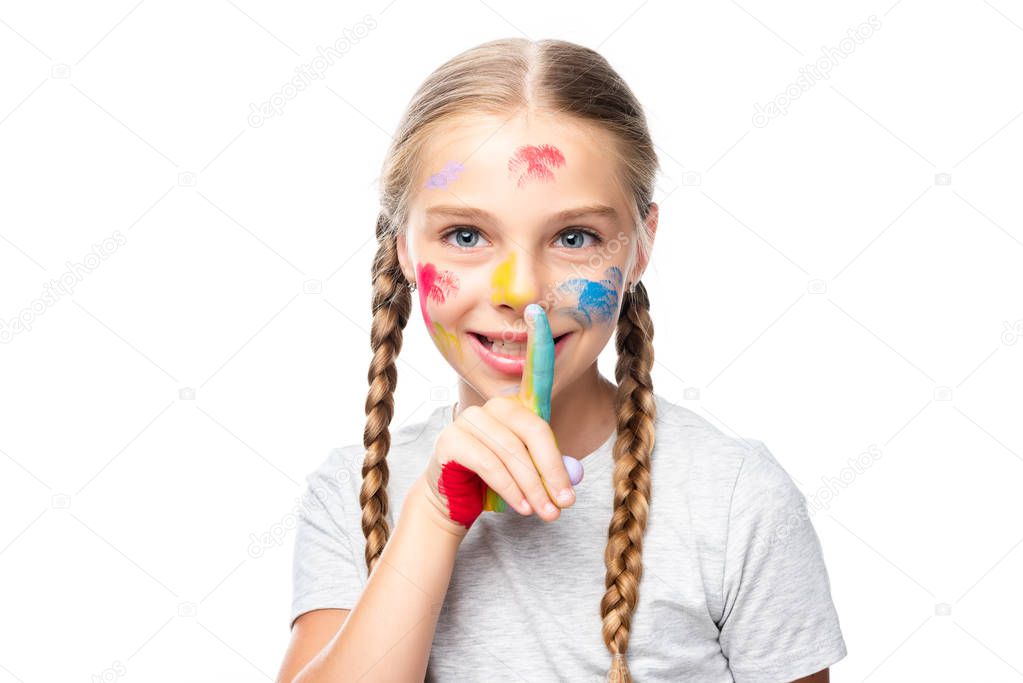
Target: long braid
x,y
637,412
392,303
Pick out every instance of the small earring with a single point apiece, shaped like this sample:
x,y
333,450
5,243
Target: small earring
x,y
411,286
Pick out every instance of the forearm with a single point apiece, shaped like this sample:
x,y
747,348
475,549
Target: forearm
x,y
389,632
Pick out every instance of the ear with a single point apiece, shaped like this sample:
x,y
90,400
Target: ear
x,y
403,257
643,260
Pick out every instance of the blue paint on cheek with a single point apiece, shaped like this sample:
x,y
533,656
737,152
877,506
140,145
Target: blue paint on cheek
x,y
614,274
598,300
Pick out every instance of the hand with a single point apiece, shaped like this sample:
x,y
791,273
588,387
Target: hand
x,y
504,447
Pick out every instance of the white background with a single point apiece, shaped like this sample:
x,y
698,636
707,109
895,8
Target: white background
x,y
817,284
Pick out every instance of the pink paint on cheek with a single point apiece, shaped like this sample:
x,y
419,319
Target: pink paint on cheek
x,y
464,490
434,285
531,162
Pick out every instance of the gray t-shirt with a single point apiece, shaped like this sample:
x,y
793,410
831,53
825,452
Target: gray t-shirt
x,y
734,585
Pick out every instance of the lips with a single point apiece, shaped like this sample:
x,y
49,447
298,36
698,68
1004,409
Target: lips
x,y
512,365
510,338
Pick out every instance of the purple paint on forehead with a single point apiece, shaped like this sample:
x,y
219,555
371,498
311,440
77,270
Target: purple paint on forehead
x,y
448,175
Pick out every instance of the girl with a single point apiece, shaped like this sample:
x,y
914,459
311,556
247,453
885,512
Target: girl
x,y
520,180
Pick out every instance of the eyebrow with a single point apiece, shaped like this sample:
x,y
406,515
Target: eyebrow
x,y
479,214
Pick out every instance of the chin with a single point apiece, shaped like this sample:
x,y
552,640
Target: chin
x,y
489,387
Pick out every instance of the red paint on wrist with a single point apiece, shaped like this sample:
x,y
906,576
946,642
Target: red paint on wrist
x,y
465,491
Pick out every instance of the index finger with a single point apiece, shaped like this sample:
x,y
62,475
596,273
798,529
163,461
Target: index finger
x,y
535,392
538,379
538,373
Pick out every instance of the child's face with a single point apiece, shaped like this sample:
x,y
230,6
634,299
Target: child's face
x,y
485,239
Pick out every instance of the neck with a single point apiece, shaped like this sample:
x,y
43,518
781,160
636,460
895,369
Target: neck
x,y
582,413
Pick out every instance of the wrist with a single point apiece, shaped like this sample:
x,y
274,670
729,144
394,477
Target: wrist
x,y
422,505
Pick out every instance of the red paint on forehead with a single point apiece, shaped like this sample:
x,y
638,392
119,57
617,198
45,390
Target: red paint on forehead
x,y
531,162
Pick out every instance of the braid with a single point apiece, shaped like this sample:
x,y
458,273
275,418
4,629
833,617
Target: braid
x,y
636,412
392,303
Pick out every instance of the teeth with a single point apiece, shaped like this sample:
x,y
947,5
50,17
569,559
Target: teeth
x,y
517,349
509,348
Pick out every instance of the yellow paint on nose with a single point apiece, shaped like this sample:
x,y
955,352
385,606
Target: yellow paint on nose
x,y
505,288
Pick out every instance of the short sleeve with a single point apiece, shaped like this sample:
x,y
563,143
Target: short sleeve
x,y
778,621
325,573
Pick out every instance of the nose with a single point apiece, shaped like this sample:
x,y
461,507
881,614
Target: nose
x,y
515,283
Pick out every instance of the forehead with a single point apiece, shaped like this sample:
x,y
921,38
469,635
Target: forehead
x,y
490,156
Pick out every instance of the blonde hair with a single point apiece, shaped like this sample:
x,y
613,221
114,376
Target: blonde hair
x,y
505,77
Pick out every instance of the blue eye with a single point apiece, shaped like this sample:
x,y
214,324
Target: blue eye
x,y
465,237
578,236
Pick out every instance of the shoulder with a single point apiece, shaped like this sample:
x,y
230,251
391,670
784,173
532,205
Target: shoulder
x,y
686,426
695,444
336,482
727,479
407,437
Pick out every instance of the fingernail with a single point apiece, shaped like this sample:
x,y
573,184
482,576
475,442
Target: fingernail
x,y
549,508
524,508
565,497
575,469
